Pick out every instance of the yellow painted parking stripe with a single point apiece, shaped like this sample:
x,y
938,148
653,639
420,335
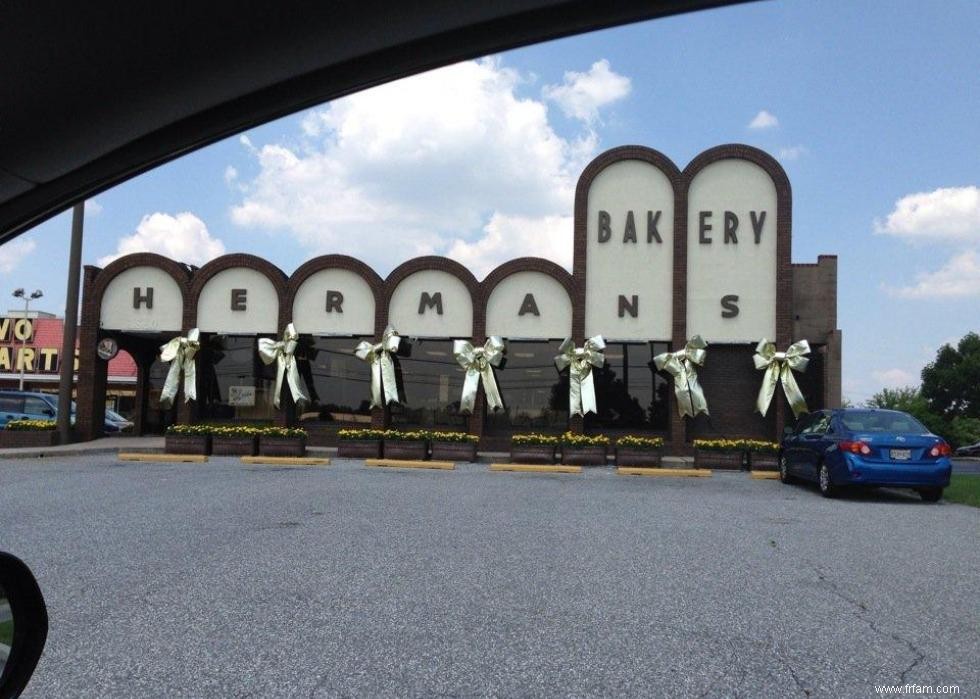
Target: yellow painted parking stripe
x,y
286,460
180,458
399,463
536,468
665,472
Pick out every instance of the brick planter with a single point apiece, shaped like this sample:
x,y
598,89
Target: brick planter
x,y
282,446
763,461
359,449
187,444
234,446
406,451
454,451
721,460
13,439
584,456
630,456
532,454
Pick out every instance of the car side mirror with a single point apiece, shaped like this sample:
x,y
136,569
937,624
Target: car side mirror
x,y
48,411
23,625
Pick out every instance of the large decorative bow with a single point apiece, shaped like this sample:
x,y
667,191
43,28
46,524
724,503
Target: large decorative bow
x,y
180,353
682,366
479,362
779,368
581,386
382,367
281,353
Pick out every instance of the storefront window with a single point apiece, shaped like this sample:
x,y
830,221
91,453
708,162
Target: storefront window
x,y
431,383
157,419
535,394
234,383
630,393
339,383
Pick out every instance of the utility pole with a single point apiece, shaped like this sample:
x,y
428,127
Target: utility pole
x,y
67,369
19,294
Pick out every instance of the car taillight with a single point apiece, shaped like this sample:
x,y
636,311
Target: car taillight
x,y
854,447
940,449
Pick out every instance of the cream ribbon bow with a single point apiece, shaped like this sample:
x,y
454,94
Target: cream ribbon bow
x,y
180,352
581,385
281,353
479,362
779,368
382,367
682,365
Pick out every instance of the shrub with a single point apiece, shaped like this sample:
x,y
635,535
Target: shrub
x,y
534,439
460,437
406,435
760,445
25,425
632,441
719,444
283,432
570,439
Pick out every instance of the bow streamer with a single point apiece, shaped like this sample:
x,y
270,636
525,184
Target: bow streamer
x,y
382,367
682,365
779,368
180,352
281,353
479,363
580,360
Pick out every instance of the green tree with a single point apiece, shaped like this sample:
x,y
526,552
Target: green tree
x,y
951,384
957,431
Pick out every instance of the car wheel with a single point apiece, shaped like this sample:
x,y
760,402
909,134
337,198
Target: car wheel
x,y
784,475
827,488
931,494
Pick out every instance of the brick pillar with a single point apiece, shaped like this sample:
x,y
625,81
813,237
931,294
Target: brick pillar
x,y
832,394
144,361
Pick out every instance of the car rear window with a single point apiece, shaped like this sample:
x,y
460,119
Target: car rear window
x,y
874,421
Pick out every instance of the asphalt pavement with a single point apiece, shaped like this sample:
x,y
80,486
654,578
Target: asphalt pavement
x,y
225,580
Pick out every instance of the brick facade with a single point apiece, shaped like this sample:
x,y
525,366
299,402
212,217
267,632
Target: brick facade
x,y
806,301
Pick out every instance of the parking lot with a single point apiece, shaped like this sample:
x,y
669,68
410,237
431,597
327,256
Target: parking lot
x,y
222,579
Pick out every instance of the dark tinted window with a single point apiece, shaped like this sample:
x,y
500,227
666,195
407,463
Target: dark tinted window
x,y
535,395
234,382
339,384
431,386
880,421
631,394
37,406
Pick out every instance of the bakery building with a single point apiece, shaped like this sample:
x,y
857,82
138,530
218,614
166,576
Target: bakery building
x,y
661,255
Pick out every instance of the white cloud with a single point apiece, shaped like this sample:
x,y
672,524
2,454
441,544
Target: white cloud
x,y
92,207
231,174
948,213
14,252
958,278
764,120
895,378
446,160
508,237
792,152
183,237
582,94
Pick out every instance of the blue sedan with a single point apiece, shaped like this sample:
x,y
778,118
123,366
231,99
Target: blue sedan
x,y
865,447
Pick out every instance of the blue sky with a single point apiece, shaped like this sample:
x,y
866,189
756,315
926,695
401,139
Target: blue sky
x,y
873,108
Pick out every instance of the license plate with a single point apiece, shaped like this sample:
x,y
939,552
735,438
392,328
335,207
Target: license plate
x,y
901,454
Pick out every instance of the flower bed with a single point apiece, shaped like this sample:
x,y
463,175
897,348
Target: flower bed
x,y
187,439
637,451
359,443
584,449
282,441
533,448
406,445
234,440
762,456
29,433
453,446
724,454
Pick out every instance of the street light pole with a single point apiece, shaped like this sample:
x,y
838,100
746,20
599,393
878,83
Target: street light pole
x,y
19,294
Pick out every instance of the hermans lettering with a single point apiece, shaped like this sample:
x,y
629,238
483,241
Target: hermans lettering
x,y
729,305
335,302
239,299
529,305
141,298
430,301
